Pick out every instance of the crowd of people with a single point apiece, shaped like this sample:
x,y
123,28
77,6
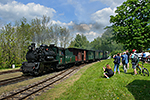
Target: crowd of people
x,y
124,57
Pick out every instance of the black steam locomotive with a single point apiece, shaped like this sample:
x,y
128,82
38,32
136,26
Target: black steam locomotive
x,y
39,60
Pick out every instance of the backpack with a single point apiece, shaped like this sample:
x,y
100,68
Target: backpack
x,y
135,58
116,60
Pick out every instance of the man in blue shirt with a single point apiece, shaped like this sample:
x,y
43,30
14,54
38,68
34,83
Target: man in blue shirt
x,y
143,57
128,54
116,64
124,61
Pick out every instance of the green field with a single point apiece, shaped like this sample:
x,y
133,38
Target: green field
x,y
89,84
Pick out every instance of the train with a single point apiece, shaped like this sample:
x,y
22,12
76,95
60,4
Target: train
x,y
45,58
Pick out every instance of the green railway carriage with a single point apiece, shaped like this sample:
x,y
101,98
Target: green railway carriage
x,y
75,55
97,56
101,54
64,56
105,54
80,55
69,56
90,55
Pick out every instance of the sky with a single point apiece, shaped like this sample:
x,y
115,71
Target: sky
x,y
87,17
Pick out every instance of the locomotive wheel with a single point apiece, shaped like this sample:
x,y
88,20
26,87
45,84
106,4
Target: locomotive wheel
x,y
24,73
36,72
54,66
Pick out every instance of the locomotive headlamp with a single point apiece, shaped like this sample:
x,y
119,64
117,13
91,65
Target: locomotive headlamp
x,y
30,48
36,64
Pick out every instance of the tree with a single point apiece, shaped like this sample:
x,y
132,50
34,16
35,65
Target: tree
x,y
80,42
96,44
23,37
64,36
106,42
131,24
7,45
14,42
41,31
85,42
55,33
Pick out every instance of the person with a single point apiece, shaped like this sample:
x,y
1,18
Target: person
x,y
108,71
124,61
116,63
134,61
128,54
143,57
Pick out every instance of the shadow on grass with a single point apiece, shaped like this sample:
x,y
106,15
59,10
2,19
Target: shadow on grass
x,y
102,77
130,73
140,89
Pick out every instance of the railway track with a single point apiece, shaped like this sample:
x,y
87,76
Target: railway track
x,y
10,71
13,80
26,92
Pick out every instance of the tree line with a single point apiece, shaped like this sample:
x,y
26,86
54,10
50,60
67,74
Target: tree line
x,y
15,38
105,43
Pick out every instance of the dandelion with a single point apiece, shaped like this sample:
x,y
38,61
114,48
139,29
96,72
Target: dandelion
x,y
117,97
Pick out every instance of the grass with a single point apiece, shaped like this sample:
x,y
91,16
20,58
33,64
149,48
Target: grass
x,y
89,84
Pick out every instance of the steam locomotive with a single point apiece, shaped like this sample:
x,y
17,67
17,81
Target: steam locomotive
x,y
50,58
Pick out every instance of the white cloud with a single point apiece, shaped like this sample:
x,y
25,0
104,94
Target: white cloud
x,y
78,33
62,24
92,35
86,27
112,3
89,35
103,16
13,11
